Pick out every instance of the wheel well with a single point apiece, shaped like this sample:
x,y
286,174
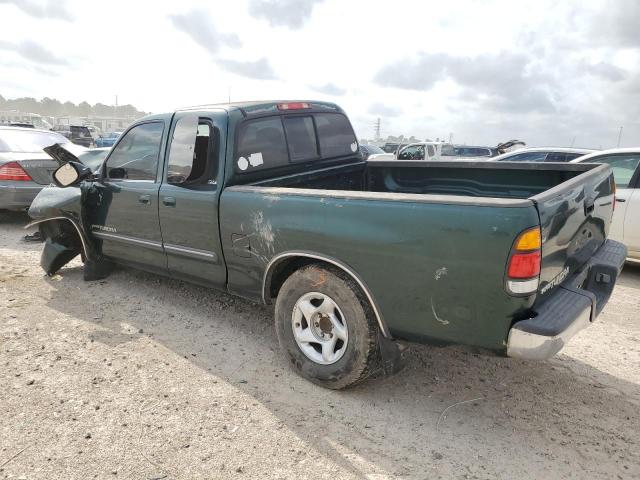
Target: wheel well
x,y
62,231
283,270
278,274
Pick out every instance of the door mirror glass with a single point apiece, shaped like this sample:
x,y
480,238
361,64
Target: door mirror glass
x,y
70,173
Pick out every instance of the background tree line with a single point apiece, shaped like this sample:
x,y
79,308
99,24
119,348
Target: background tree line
x,y
55,108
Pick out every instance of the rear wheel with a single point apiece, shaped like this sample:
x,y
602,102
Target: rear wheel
x,y
326,327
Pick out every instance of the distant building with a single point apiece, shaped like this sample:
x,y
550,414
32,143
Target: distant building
x,y
103,124
15,116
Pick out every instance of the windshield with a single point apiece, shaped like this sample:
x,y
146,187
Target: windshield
x,y
26,141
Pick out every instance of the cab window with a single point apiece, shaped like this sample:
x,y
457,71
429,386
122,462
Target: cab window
x,y
192,154
135,157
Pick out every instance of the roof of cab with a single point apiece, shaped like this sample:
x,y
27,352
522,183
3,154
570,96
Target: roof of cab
x,y
263,105
249,108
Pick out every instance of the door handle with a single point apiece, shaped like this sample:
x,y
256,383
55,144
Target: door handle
x,y
169,201
621,200
146,199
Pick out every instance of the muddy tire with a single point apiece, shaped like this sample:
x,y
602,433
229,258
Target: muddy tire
x,y
326,327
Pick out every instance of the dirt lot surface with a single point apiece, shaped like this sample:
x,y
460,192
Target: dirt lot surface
x,y
148,378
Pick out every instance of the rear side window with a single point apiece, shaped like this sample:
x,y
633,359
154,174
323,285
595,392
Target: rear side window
x,y
301,137
190,162
335,135
261,142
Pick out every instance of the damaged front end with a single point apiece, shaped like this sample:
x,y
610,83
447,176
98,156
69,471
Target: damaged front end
x,y
58,214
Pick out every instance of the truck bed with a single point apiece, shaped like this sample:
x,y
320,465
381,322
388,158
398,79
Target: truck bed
x,y
441,230
459,178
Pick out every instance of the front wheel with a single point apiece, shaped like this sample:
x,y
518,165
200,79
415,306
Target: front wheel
x,y
326,327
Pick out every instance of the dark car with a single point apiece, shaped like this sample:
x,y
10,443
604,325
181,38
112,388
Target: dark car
x,y
273,202
465,151
368,150
78,134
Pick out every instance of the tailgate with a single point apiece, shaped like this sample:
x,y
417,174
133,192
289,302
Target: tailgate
x,y
574,218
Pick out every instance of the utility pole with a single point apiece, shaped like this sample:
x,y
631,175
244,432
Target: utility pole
x,y
377,129
229,96
619,137
573,141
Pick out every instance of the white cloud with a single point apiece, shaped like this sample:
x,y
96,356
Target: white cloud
x,y
487,71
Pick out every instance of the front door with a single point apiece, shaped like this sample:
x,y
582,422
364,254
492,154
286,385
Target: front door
x,y
188,200
124,215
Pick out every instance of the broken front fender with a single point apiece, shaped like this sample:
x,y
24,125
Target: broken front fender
x,y
59,214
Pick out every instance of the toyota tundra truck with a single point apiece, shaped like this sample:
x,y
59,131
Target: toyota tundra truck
x,y
273,202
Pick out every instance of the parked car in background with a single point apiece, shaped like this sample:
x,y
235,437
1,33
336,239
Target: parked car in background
x,y
24,167
625,225
78,134
22,125
390,147
107,139
543,154
413,151
368,150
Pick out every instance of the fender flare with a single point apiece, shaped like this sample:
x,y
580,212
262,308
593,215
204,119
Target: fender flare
x,y
266,281
86,249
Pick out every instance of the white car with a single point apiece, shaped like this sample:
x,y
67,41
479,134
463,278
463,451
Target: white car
x,y
542,154
413,151
625,226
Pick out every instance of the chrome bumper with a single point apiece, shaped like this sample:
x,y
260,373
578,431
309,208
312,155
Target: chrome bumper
x,y
534,346
570,308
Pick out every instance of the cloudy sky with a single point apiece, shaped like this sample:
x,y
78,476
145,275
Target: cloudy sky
x,y
548,72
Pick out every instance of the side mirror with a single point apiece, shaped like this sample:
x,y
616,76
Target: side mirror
x,y
70,173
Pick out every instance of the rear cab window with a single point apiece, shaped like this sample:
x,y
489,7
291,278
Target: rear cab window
x,y
278,141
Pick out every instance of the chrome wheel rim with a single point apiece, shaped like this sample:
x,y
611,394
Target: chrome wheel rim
x,y
319,328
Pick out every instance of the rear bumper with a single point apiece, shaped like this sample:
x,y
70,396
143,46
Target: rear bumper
x,y
18,195
570,308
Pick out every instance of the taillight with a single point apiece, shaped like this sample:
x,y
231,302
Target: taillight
x,y
523,268
293,106
13,171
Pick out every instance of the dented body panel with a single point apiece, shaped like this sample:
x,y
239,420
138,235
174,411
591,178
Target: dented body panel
x,y
427,242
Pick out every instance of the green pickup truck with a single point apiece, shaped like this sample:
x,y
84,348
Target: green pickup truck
x,y
273,202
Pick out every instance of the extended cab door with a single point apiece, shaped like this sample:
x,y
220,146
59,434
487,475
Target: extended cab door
x,y
124,212
189,197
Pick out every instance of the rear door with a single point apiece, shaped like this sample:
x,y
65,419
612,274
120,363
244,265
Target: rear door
x,y
189,198
125,212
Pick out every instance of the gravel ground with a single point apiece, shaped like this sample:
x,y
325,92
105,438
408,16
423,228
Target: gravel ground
x,y
144,377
